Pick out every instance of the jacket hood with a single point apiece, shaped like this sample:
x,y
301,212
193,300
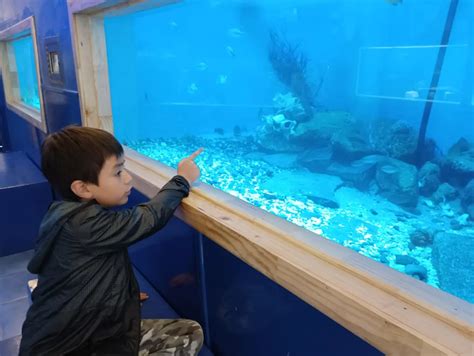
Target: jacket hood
x,y
53,222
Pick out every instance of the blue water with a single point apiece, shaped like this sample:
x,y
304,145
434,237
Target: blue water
x,y
319,125
26,69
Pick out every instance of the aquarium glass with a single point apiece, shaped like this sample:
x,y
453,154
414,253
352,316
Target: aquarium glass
x,y
24,61
315,111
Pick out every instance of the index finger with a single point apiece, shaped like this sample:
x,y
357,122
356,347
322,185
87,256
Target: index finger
x,y
196,153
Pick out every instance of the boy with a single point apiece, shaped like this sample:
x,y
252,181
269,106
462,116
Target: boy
x,y
87,298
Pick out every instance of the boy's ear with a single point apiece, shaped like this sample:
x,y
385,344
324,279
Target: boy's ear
x,y
81,189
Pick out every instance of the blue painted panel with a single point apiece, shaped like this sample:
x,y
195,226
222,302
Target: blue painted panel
x,y
23,136
24,199
251,315
168,261
17,170
3,121
62,109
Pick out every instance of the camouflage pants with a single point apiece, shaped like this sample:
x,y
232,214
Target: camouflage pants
x,y
177,337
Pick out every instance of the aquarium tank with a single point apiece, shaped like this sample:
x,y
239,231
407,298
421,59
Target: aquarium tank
x,y
352,119
22,55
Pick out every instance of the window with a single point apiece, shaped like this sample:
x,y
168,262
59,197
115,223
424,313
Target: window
x,y
309,111
302,148
20,71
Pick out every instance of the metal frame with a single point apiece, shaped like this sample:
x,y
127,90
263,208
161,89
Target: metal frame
x,y
10,80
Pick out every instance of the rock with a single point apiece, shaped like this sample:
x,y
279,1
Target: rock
x,y
395,139
316,160
444,193
398,182
467,196
417,271
272,141
406,260
359,173
358,176
470,211
349,145
318,187
453,259
455,224
321,128
429,178
458,165
421,238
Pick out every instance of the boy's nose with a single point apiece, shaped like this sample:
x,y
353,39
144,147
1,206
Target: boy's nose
x,y
128,177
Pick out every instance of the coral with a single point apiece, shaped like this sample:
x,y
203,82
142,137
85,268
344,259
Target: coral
x,y
290,66
279,123
288,105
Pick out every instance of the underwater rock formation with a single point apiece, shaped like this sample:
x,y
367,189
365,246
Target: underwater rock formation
x,y
406,260
458,165
395,139
290,66
316,159
467,199
288,105
359,173
398,182
319,131
417,271
429,178
274,134
452,257
444,193
421,238
349,145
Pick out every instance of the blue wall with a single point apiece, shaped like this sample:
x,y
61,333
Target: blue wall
x,y
61,101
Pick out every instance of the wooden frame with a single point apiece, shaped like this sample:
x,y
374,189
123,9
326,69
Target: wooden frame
x,y
393,312
10,79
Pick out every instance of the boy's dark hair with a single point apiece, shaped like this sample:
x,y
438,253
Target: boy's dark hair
x,y
76,153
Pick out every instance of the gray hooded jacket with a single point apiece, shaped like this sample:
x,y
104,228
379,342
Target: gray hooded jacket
x,y
87,298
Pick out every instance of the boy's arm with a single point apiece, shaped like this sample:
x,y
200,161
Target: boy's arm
x,y
111,230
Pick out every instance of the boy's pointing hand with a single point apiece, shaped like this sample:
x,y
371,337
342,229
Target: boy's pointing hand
x,y
188,168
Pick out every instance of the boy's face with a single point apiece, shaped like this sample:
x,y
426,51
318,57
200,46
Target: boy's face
x,y
114,183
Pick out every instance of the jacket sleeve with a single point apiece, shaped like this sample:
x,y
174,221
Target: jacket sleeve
x,y
110,230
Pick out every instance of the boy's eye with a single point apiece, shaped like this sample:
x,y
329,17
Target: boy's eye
x,y
119,173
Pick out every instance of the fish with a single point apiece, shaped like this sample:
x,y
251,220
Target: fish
x,y
412,94
389,169
235,32
394,2
219,130
230,51
222,79
192,88
202,66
